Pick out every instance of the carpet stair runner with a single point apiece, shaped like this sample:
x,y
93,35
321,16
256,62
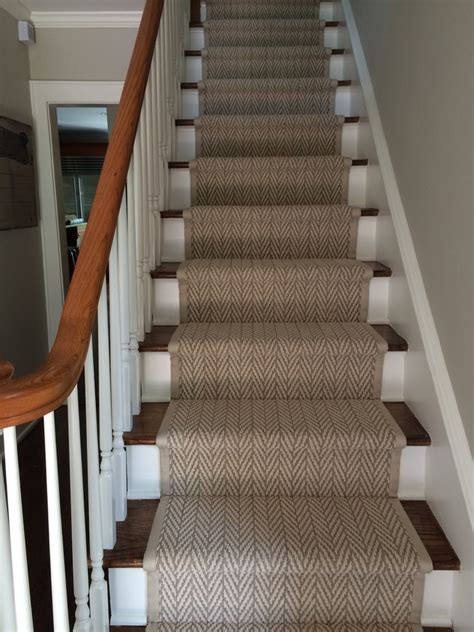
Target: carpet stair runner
x,y
279,463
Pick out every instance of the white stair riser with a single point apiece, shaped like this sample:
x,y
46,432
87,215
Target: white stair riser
x,y
341,67
349,102
334,37
128,597
166,301
143,472
353,137
328,11
180,187
156,376
172,247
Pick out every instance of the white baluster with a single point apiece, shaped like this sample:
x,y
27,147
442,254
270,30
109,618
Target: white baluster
x,y
119,457
7,597
105,425
56,550
156,175
147,288
138,204
134,356
151,174
163,146
98,597
21,584
78,522
122,239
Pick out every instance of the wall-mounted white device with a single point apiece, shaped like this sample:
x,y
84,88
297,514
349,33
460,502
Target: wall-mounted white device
x,y
26,32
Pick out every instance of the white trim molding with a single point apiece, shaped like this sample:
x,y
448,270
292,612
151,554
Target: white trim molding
x,y
85,19
15,8
432,347
44,94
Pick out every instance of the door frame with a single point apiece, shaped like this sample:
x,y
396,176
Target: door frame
x,y
44,96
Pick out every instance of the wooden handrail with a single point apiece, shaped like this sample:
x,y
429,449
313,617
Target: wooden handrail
x,y
33,395
6,371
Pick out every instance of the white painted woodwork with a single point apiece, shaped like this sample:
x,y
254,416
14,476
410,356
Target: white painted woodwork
x,y
7,597
138,215
78,522
180,187
105,425
341,67
349,102
118,452
156,376
19,561
123,278
166,301
133,357
352,142
98,595
129,601
144,142
55,531
334,37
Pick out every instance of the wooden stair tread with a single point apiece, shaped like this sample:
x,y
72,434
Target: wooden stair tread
x,y
178,214
189,122
160,335
169,270
184,164
139,628
147,424
198,53
133,532
193,85
327,24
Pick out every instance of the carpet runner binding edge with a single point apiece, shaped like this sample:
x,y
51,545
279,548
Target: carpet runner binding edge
x,y
279,464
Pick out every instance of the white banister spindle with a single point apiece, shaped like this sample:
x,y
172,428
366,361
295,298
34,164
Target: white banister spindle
x,y
118,449
163,146
138,216
7,597
122,239
147,288
98,597
56,550
134,357
156,174
78,522
105,425
21,587
151,174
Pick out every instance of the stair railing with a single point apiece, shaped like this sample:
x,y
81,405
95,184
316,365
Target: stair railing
x,y
123,239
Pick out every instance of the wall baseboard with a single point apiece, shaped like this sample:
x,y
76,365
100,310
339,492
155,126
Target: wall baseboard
x,y
432,347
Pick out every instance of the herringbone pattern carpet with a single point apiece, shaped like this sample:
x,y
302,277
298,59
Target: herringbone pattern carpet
x,y
279,463
266,96
234,62
238,136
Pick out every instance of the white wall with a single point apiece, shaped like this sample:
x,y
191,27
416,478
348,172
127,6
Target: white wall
x,y
76,54
419,54
402,104
23,336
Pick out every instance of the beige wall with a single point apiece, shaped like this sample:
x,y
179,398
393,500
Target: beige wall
x,y
419,54
23,338
82,54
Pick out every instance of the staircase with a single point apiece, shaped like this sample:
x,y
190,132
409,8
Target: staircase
x,y
285,446
251,463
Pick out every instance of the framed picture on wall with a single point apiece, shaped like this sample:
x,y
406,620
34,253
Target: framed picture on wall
x,y
18,208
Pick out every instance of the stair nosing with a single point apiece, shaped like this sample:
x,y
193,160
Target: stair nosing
x,y
439,549
153,413
178,214
193,85
184,164
163,334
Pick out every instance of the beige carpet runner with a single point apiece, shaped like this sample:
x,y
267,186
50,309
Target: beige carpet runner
x,y
279,464
267,96
271,135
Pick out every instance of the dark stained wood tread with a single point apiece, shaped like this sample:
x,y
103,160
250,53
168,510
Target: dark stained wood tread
x,y
327,24
193,85
198,53
147,424
133,532
184,164
365,212
169,270
189,122
159,337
